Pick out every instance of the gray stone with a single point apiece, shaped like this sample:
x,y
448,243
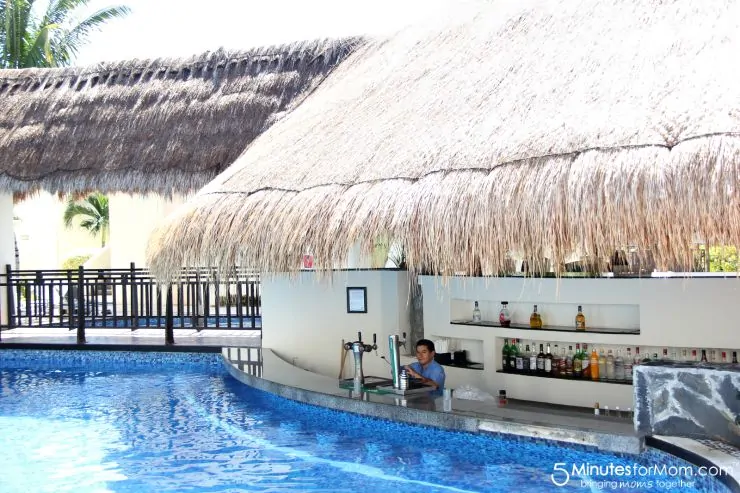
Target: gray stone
x,y
696,401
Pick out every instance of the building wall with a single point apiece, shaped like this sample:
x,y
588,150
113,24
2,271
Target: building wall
x,y
43,241
132,219
305,318
305,321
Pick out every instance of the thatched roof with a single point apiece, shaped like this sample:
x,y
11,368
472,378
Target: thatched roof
x,y
542,127
165,125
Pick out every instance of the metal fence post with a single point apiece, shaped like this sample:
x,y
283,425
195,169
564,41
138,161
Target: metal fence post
x,y
80,305
134,300
169,332
9,295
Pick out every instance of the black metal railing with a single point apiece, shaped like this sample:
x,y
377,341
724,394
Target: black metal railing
x,y
129,298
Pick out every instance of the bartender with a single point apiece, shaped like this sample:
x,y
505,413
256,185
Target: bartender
x,y
426,370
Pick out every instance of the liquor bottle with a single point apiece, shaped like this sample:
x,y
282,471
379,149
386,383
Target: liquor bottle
x,y
585,362
628,365
541,361
636,361
505,355
504,317
704,356
577,362
619,366
519,357
526,360
734,357
548,361
476,313
602,365
555,362
693,355
580,319
712,356
594,365
724,357
610,374
513,352
567,369
665,354
533,359
684,355
535,320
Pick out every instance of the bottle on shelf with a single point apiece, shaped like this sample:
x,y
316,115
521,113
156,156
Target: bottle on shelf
x,y
724,357
580,319
628,365
619,366
602,365
594,365
541,361
535,320
515,358
585,362
610,370
712,356
548,361
734,357
693,355
505,356
526,360
665,354
704,356
636,361
555,361
577,362
476,313
684,354
533,359
504,316
566,368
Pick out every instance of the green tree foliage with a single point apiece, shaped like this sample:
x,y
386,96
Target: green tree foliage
x,y
31,36
93,212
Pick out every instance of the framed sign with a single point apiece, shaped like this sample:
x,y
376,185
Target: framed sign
x,y
356,300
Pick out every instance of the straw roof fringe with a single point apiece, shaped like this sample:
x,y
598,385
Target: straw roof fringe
x,y
164,125
545,128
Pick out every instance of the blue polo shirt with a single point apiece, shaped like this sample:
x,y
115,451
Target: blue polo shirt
x,y
433,371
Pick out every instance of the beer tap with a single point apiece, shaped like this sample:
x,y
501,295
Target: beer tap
x,y
358,348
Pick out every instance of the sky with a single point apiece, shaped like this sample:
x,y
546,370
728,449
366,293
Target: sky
x,y
181,28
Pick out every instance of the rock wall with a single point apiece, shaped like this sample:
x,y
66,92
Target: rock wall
x,y
696,401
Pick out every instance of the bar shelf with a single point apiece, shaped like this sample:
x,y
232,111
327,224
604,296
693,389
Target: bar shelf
x,y
549,328
615,382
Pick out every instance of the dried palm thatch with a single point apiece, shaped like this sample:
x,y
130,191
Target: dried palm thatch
x,y
165,125
542,127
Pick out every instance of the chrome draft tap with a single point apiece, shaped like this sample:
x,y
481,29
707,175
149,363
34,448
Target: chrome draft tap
x,y
393,351
358,348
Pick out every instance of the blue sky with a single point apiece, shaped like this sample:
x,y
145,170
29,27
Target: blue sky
x,y
158,28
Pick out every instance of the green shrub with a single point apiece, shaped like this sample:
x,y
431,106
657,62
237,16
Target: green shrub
x,y
75,262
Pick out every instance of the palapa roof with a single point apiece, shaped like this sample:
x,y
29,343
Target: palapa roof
x,y
541,127
164,125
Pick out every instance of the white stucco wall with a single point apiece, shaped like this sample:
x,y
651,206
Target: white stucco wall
x,y
7,248
132,219
306,318
672,313
43,241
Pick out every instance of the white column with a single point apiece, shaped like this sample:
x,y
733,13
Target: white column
x,y
7,247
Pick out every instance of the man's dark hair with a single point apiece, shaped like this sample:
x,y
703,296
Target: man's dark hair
x,y
426,342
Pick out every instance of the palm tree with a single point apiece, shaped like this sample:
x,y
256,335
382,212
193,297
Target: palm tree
x,y
94,213
50,40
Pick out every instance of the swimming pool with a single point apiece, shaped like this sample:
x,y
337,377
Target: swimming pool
x,y
89,421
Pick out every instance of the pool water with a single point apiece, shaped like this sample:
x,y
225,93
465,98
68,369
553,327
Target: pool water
x,y
160,429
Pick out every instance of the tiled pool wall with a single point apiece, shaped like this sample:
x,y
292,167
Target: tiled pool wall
x,y
109,360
